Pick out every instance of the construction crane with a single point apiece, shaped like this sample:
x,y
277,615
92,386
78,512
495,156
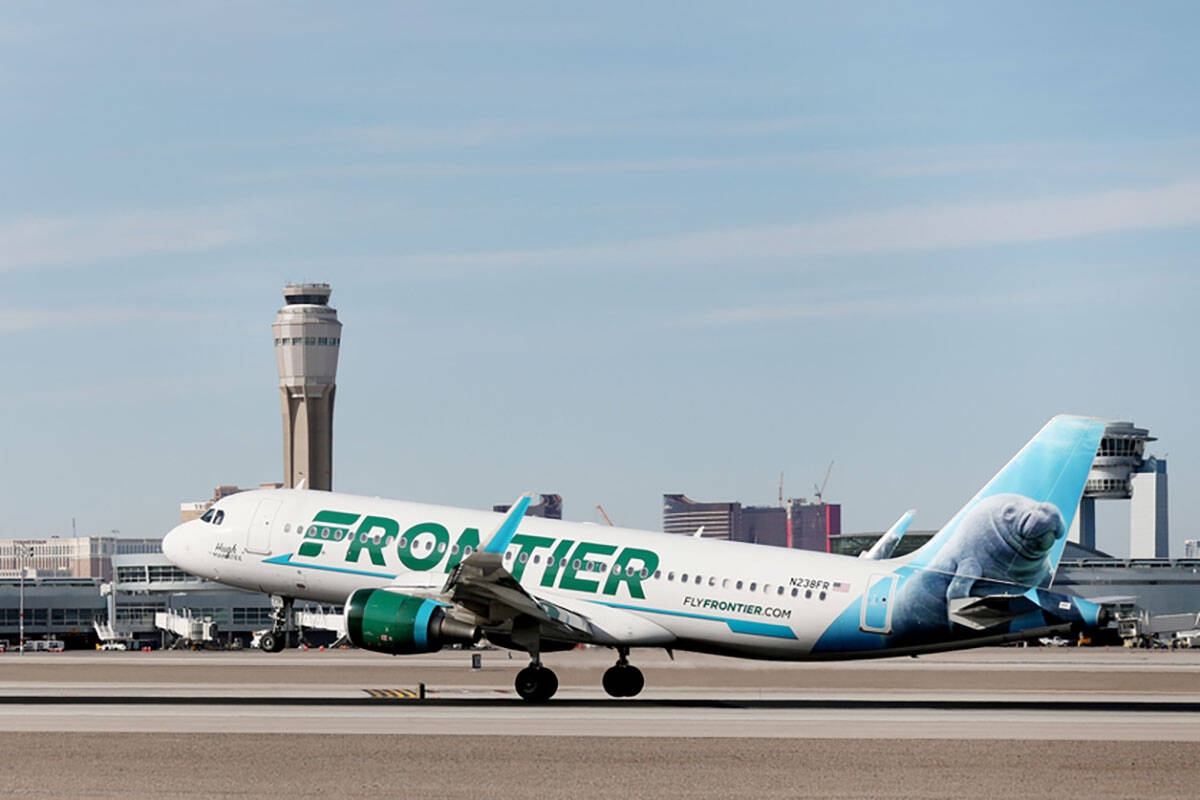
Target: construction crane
x,y
606,519
820,490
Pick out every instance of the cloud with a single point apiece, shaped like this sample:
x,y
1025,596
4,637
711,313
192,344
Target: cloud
x,y
861,308
84,238
478,133
15,320
1157,160
1095,292
451,170
902,230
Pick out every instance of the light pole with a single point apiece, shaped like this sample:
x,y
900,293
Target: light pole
x,y
24,553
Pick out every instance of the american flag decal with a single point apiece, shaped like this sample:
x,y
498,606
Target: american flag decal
x,y
838,586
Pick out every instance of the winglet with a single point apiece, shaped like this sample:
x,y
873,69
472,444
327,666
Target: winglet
x,y
886,545
503,535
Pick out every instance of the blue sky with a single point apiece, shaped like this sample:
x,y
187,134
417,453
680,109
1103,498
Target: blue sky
x,y
609,251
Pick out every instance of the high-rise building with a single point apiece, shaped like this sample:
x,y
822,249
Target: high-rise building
x,y
307,339
796,524
683,515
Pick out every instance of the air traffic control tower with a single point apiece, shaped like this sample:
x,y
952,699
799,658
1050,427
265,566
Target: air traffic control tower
x,y
1121,470
307,338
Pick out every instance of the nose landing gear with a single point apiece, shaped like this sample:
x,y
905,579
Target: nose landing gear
x,y
623,679
276,639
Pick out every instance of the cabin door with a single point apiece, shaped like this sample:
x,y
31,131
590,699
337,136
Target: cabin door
x,y
877,604
258,537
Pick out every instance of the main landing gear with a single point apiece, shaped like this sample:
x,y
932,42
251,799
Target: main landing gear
x,y
623,679
536,683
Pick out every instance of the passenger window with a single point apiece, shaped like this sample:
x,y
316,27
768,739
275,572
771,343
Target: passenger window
x,y
712,580
725,583
657,574
682,578
670,576
644,574
287,527
752,586
796,592
698,579
808,594
525,557
739,585
536,559
780,590
821,596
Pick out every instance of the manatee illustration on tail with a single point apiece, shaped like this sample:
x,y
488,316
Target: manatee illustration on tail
x,y
983,568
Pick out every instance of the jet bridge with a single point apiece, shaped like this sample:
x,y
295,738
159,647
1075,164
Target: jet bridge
x,y
185,627
325,619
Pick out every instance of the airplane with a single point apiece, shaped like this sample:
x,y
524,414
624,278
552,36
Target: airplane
x,y
414,578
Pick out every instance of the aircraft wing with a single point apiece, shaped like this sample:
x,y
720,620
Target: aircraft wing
x,y
483,586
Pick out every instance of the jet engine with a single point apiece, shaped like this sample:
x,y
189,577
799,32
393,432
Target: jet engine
x,y
400,624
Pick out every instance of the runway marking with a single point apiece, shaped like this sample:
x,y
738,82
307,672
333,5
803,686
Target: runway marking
x,y
614,719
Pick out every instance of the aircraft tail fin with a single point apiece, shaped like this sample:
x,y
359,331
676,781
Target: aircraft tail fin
x,y
1014,530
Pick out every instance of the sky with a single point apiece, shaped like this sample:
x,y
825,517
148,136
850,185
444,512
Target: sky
x,y
605,250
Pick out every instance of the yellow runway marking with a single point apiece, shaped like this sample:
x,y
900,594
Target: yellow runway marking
x,y
394,694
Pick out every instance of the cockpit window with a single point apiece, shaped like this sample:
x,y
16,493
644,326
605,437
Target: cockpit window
x,y
219,518
208,515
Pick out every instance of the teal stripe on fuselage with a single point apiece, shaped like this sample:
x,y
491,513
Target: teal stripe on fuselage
x,y
735,625
286,560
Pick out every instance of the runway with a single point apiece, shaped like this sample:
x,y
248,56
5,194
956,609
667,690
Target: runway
x,y
1008,717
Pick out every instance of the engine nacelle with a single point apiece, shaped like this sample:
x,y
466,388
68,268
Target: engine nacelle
x,y
400,624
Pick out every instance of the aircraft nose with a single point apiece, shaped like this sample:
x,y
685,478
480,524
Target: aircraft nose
x,y
174,545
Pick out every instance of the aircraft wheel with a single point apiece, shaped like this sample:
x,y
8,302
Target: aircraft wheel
x,y
623,680
536,683
271,643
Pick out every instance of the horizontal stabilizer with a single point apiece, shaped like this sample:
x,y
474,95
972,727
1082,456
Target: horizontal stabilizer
x,y
981,613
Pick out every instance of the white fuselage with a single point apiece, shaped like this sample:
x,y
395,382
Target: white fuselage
x,y
715,596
